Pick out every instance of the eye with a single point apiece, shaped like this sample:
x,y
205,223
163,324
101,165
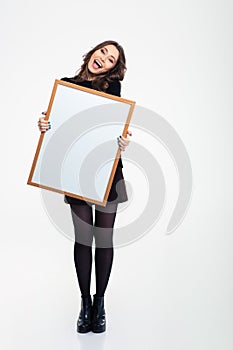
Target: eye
x,y
111,60
102,50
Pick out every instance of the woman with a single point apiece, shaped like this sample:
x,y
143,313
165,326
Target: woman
x,y
103,68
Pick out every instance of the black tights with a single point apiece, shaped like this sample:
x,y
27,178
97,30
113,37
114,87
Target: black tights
x,y
102,231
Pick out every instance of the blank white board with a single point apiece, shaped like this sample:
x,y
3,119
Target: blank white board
x,y
78,156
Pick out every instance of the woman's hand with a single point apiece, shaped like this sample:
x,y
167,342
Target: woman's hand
x,y
123,142
43,124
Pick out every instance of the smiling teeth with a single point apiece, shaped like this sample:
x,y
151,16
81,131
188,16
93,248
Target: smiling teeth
x,y
98,63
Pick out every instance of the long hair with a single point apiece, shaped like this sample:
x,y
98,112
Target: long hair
x,y
101,81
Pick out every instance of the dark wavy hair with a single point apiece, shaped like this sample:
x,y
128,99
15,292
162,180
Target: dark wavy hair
x,y
101,81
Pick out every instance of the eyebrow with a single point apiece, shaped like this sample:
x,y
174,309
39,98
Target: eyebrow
x,y
105,48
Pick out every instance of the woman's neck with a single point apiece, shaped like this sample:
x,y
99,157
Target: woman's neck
x,y
89,76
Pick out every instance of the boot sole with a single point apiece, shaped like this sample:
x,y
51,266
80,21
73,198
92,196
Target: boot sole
x,y
84,330
99,330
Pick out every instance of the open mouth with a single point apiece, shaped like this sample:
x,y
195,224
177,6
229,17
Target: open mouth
x,y
97,64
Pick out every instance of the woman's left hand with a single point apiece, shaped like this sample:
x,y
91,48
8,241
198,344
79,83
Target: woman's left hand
x,y
123,142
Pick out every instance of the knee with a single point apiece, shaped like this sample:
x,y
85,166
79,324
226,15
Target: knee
x,y
103,237
84,235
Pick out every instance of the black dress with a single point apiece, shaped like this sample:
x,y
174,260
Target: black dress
x,y
118,193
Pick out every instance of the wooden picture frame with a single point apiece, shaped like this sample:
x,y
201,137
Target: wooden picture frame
x,y
78,156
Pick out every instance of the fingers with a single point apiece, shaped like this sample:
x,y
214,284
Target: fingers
x,y
43,124
123,142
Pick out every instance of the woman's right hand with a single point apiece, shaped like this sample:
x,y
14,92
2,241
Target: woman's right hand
x,y
43,124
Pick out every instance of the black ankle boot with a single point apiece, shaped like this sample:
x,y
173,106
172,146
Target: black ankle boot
x,y
84,320
98,315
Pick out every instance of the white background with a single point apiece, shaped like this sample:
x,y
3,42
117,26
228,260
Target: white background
x,y
165,291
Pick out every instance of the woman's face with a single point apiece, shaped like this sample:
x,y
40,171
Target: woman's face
x,y
103,60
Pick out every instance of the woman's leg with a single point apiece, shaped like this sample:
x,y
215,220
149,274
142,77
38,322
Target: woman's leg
x,y
103,232
83,226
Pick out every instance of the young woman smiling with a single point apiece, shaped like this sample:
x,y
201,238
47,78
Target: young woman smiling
x,y
103,69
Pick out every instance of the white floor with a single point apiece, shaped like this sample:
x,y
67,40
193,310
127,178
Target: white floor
x,y
165,292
